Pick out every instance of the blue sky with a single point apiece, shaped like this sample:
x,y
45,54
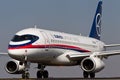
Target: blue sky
x,y
72,16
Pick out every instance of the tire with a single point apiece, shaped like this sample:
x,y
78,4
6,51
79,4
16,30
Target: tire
x,y
25,75
92,75
85,74
39,74
45,74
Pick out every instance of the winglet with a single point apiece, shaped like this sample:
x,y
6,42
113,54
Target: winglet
x,y
96,26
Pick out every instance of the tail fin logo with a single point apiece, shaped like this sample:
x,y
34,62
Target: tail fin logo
x,y
98,24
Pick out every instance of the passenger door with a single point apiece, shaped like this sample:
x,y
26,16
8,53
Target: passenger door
x,y
46,38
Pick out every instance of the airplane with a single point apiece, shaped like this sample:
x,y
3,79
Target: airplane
x,y
53,48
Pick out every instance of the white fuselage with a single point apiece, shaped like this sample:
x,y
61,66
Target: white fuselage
x,y
50,47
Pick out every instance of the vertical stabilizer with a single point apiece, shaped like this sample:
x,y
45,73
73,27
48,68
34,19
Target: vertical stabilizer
x,y
96,26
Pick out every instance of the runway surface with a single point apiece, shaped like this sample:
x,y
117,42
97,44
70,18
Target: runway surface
x,y
113,78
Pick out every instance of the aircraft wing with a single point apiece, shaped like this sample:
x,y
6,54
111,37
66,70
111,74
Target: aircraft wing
x,y
106,54
102,54
77,56
3,54
112,45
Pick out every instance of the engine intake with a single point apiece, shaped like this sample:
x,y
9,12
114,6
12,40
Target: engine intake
x,y
14,67
92,64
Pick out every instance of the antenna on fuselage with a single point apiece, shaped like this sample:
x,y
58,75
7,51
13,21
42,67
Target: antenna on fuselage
x,y
35,26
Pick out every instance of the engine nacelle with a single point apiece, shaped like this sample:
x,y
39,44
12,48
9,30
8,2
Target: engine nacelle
x,y
15,67
92,64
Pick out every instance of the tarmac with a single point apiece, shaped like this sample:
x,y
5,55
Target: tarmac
x,y
112,78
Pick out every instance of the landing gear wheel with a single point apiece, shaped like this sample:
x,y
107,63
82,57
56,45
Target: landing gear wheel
x,y
92,75
45,74
25,75
85,74
42,74
39,74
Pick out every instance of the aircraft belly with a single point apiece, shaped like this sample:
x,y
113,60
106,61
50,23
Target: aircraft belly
x,y
40,55
49,57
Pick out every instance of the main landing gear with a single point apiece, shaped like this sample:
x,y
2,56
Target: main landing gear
x,y
41,73
86,74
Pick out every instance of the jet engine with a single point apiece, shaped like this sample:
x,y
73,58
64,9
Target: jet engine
x,y
15,67
92,64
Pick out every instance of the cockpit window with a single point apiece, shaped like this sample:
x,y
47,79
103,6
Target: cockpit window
x,y
17,38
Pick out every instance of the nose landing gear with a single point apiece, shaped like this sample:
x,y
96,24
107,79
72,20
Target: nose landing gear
x,y
25,74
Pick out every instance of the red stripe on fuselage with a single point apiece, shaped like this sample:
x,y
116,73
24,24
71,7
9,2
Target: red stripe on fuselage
x,y
49,46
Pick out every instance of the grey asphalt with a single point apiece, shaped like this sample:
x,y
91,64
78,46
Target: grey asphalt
x,y
115,78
